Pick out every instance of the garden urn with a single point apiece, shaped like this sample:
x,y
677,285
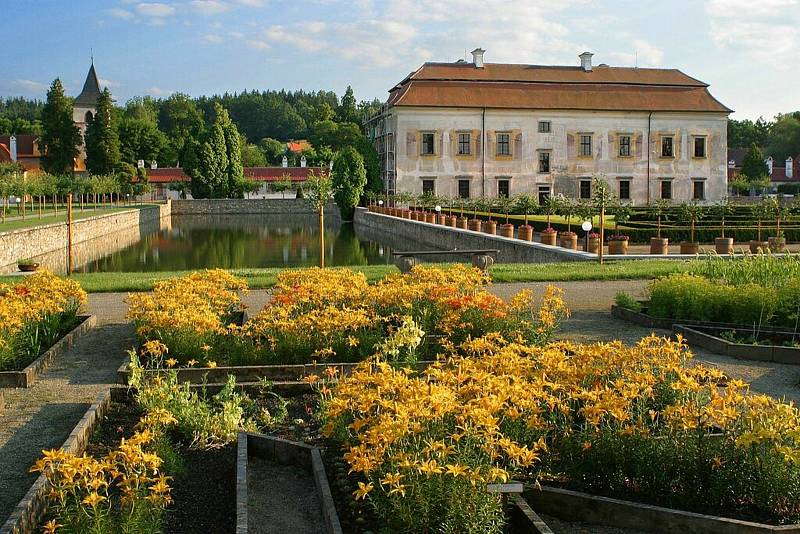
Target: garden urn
x,y
548,236
405,214
525,232
490,227
723,245
507,230
617,246
451,220
757,246
690,247
569,240
462,222
475,225
442,219
659,246
777,244
594,244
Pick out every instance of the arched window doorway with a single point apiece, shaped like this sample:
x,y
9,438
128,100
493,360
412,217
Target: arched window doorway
x,y
88,117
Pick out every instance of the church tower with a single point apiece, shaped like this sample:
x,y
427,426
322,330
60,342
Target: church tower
x,y
83,111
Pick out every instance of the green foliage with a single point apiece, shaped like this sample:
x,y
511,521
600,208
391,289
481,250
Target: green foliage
x,y
347,110
60,136
623,300
253,156
102,138
527,204
218,172
784,139
140,139
754,167
282,185
745,133
349,178
273,150
319,190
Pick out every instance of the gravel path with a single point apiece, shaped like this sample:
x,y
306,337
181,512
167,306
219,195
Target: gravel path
x,y
42,417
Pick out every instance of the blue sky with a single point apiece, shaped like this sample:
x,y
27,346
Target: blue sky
x,y
746,49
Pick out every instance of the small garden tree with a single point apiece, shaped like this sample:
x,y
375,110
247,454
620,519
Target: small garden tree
x,y
661,209
551,207
527,204
349,178
691,213
568,209
319,192
622,213
722,209
282,184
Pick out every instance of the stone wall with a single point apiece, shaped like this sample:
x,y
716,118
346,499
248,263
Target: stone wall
x,y
47,243
238,206
399,233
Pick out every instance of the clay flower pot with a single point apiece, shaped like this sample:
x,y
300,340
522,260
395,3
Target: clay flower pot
x,y
475,225
461,222
569,240
690,247
723,245
507,230
525,232
757,246
28,267
406,214
548,236
659,246
430,218
594,245
490,227
441,219
777,244
618,246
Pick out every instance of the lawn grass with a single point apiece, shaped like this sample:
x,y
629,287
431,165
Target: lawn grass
x,y
32,219
501,273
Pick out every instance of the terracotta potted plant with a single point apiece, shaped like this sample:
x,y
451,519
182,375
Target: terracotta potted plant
x,y
723,245
489,226
527,204
505,204
475,205
585,211
27,265
660,245
428,201
690,212
594,243
760,212
405,198
371,197
549,235
777,243
461,221
618,244
569,239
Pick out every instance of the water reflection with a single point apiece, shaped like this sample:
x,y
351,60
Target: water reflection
x,y
240,241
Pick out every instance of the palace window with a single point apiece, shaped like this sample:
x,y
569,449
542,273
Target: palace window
x,y
544,161
586,145
699,147
667,150
427,143
503,144
463,189
624,146
698,190
666,189
544,126
585,191
502,188
463,144
625,189
428,186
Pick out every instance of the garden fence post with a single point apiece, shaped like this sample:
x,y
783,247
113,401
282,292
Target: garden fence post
x,y
69,234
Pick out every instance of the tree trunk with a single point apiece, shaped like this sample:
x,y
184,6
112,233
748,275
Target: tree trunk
x,y
322,237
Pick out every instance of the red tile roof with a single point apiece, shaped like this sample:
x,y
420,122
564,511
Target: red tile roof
x,y
5,154
298,146
537,87
25,144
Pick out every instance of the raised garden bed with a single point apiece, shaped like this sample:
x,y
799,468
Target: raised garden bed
x,y
577,506
770,347
26,377
264,465
28,513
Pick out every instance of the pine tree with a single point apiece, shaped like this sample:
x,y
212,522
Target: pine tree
x,y
61,138
102,138
234,171
348,111
349,178
209,176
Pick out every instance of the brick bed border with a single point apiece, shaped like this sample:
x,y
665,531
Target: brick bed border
x,y
27,514
576,506
28,376
289,453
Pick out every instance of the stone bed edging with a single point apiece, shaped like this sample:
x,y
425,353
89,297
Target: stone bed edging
x,y
27,514
28,376
691,332
577,506
285,452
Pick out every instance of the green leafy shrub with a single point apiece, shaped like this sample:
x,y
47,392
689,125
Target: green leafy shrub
x,y
623,300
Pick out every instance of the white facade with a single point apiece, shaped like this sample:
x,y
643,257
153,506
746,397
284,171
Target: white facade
x,y
486,169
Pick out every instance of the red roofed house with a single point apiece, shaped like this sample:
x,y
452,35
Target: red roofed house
x,y
297,146
21,148
161,179
474,129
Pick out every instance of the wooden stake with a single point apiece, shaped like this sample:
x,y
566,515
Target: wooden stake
x,y
322,237
602,232
69,234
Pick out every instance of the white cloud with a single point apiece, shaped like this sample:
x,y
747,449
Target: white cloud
x,y
258,44
155,9
119,13
236,35
107,83
209,7
212,38
305,36
157,91
767,31
642,54
31,86
250,3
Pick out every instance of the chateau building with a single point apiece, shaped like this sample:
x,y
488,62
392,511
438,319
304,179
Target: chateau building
x,y
487,129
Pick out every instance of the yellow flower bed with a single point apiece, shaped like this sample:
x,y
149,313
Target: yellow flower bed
x,y
606,418
33,314
125,491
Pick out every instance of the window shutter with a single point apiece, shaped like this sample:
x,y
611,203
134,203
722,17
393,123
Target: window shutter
x,y
476,143
411,144
439,140
490,149
453,142
517,154
571,151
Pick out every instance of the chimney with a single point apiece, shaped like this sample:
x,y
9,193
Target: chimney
x,y
477,57
769,165
154,165
586,61
302,161
789,167
285,162
13,147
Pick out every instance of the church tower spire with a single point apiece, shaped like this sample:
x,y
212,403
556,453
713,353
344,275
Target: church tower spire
x,y
84,109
